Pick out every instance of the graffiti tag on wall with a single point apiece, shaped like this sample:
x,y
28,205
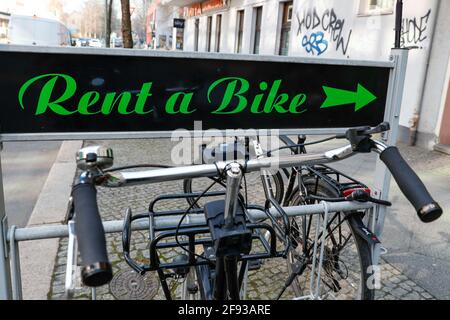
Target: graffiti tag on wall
x,y
319,27
414,30
315,43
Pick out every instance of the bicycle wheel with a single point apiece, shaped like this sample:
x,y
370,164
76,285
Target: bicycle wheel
x,y
254,188
347,257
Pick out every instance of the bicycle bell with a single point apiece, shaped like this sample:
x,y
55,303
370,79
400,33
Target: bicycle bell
x,y
94,157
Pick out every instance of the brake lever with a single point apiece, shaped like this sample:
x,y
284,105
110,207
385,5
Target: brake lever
x,y
366,131
363,196
360,138
381,128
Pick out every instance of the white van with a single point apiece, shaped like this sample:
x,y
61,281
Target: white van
x,y
31,30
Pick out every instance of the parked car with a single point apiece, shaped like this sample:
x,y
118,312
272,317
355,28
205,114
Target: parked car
x,y
32,30
84,42
95,43
116,43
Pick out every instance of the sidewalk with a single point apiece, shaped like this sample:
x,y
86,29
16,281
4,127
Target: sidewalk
x,y
415,266
37,258
421,251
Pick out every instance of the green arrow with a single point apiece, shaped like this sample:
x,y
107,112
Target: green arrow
x,y
338,97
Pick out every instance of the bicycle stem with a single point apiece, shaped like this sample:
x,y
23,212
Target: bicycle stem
x,y
234,176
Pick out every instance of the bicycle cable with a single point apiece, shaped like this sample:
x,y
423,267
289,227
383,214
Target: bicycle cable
x,y
184,216
220,175
190,208
245,190
358,197
269,153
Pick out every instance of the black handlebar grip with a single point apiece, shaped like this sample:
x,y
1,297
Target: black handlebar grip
x,y
96,269
411,185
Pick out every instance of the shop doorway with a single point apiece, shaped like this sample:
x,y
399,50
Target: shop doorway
x,y
444,136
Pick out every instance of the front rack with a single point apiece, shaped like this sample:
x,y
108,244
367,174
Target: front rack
x,y
336,179
191,236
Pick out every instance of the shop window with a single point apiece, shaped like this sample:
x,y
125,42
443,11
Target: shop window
x,y
286,19
208,33
257,29
196,34
239,30
218,31
376,7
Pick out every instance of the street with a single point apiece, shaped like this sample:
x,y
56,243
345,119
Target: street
x,y
25,168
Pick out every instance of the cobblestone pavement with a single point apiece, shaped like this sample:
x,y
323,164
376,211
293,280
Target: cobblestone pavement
x,y
263,284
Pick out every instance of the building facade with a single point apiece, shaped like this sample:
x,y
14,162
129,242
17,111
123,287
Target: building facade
x,y
160,33
339,29
4,21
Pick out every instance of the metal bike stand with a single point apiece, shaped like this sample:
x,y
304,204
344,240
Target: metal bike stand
x,y
62,231
316,283
382,175
5,271
15,266
316,269
71,266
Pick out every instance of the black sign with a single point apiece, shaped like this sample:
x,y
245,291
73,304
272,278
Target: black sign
x,y
61,93
178,23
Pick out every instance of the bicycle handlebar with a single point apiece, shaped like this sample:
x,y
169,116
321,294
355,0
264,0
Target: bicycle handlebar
x,y
120,179
411,185
96,269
